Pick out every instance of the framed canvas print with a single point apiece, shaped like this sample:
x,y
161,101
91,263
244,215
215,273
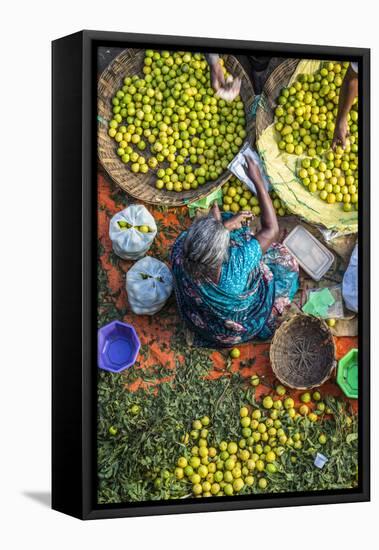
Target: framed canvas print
x,y
211,283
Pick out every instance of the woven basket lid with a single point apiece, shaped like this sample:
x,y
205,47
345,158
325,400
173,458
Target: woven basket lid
x,y
302,352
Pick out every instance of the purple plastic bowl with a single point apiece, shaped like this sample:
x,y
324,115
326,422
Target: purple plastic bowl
x,y
117,346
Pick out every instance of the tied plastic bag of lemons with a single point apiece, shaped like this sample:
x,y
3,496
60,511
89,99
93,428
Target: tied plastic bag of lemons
x,y
132,232
149,285
315,183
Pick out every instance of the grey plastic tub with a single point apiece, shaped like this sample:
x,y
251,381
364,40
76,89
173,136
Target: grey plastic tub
x,y
312,256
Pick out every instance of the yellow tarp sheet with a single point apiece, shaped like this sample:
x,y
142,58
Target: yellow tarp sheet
x,y
281,169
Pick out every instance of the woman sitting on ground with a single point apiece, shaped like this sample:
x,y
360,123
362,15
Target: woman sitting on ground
x,y
230,284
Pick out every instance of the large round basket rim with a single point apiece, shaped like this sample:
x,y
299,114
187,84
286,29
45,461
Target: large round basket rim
x,y
283,328
137,185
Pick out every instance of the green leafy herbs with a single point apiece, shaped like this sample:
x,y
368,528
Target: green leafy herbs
x,y
141,434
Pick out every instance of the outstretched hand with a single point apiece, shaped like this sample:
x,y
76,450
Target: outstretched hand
x,y
225,89
253,171
238,220
341,133
230,90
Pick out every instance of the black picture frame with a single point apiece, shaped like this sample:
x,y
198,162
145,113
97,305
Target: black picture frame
x,y
74,365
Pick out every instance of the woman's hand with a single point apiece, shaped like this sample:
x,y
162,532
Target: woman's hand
x,y
341,133
230,90
253,171
225,89
238,220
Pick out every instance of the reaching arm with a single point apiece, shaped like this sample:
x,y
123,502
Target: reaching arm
x,y
227,90
269,231
217,74
348,93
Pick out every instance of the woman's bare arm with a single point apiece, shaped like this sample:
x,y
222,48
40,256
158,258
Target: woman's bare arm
x,y
348,93
224,89
269,231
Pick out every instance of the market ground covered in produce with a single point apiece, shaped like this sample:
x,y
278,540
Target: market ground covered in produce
x,y
146,412
183,420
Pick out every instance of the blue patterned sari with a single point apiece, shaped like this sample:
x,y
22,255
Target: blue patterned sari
x,y
252,290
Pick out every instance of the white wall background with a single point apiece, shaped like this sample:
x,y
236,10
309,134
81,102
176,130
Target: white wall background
x,y
27,29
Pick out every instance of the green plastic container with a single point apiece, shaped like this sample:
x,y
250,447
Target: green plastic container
x,y
205,202
347,374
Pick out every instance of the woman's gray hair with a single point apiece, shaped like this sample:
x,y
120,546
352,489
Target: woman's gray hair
x,y
205,248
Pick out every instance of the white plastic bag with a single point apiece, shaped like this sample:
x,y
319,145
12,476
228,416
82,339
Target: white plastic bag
x,y
350,282
129,242
149,285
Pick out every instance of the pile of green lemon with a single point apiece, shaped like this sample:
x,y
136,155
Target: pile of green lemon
x,y
267,432
334,177
170,121
237,196
305,120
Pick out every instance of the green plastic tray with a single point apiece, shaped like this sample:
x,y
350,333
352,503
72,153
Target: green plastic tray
x,y
347,374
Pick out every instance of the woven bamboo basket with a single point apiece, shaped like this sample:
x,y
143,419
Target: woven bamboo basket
x,y
278,79
142,186
302,352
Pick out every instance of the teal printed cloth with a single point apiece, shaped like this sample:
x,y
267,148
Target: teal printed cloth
x,y
252,290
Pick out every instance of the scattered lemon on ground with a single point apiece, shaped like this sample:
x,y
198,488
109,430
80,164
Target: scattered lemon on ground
x,y
235,353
